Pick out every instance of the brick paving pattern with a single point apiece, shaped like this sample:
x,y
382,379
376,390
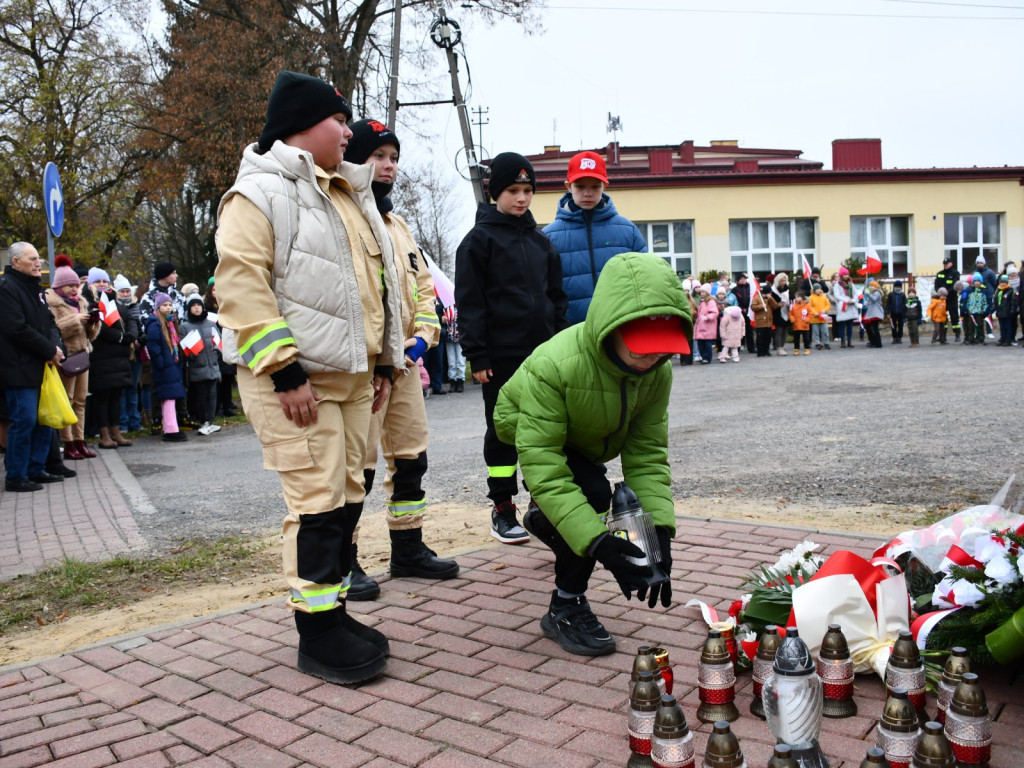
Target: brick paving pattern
x,y
471,682
84,517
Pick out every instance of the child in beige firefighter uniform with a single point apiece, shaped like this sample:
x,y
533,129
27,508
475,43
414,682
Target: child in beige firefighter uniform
x,y
310,307
400,427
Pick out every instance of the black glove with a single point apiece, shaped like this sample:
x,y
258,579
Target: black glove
x,y
612,552
662,588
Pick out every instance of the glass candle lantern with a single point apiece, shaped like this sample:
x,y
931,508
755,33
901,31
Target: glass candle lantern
x,y
643,704
716,681
665,666
629,521
906,670
672,742
763,661
793,701
646,661
956,664
898,730
835,668
969,724
723,748
933,749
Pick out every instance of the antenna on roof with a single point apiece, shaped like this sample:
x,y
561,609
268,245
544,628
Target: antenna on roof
x,y
613,127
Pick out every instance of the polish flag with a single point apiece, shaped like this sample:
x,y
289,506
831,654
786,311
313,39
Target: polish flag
x,y
807,267
108,310
757,292
192,343
216,339
873,264
444,288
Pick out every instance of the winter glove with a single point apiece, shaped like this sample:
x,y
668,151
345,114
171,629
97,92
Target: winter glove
x,y
662,589
612,552
415,352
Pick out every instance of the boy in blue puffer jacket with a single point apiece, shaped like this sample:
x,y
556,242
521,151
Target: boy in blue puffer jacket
x,y
587,231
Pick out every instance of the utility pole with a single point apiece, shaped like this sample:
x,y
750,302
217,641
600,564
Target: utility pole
x,y
480,123
446,34
396,39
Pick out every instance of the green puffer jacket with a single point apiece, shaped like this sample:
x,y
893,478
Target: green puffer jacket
x,y
570,392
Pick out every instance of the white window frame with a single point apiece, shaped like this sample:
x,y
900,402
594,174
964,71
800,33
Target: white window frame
x,y
883,250
681,261
957,249
773,251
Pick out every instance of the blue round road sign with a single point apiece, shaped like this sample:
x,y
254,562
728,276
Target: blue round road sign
x,y
53,199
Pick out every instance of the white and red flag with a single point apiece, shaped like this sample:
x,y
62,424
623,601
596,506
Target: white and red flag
x,y
807,267
216,339
108,310
192,344
756,292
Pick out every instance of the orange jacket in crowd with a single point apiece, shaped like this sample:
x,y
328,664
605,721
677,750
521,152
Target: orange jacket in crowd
x,y
937,310
820,306
800,316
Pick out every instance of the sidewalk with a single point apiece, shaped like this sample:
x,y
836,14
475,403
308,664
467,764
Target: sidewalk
x,y
85,517
471,681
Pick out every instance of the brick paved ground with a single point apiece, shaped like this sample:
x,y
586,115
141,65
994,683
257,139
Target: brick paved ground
x,y
85,517
471,682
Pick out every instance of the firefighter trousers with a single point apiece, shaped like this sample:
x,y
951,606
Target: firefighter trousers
x,y
321,470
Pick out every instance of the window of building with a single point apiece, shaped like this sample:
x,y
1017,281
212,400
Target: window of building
x,y
673,241
771,246
971,235
888,237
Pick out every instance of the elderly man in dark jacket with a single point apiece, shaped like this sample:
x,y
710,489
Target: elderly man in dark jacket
x,y
28,339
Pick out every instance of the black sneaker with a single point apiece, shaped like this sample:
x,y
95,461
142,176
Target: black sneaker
x,y
504,525
571,624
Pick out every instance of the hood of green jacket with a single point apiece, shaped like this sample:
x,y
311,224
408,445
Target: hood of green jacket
x,y
634,285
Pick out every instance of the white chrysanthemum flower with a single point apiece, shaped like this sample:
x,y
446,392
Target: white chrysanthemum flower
x,y
967,594
988,547
1001,570
942,594
804,549
786,562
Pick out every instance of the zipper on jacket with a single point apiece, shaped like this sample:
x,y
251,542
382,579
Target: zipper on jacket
x,y
590,248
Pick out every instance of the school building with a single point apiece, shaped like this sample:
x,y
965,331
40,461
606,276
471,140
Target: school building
x,y
726,207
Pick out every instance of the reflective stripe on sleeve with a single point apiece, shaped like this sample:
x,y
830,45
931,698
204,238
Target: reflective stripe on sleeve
x,y
271,337
320,599
501,471
428,320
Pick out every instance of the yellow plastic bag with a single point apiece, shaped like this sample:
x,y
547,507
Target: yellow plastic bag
x,y
54,407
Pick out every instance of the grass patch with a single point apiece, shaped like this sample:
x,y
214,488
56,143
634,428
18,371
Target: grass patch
x,y
73,587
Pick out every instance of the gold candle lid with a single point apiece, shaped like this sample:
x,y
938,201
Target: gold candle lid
x,y
956,664
905,654
783,757
715,650
899,714
834,646
874,757
723,748
933,749
969,697
645,696
643,661
769,643
669,721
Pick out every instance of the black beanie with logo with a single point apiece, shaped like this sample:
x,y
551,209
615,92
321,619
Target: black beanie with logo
x,y
367,137
298,102
507,169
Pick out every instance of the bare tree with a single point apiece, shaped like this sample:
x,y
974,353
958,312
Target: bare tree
x,y
429,199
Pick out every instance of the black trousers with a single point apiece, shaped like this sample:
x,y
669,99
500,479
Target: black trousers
x,y
764,341
897,327
202,400
106,407
501,458
874,333
572,572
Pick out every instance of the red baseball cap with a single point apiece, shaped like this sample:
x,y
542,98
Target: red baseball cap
x,y
655,335
587,165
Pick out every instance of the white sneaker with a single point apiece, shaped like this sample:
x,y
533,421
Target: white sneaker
x,y
214,427
205,429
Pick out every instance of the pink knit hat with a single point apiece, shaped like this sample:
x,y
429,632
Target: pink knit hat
x,y
63,274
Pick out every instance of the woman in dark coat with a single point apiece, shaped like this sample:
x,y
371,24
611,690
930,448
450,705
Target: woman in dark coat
x,y
165,361
109,368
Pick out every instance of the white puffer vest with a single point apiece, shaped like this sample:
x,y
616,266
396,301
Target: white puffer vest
x,y
314,277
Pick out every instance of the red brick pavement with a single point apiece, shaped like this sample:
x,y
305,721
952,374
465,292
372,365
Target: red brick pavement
x,y
471,682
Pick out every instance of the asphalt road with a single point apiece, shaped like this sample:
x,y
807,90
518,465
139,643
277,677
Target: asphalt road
x,y
927,426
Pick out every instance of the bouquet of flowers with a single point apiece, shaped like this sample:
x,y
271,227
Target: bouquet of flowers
x,y
771,597
966,579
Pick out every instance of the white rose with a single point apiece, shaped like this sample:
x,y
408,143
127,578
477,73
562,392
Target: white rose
x,y
942,593
966,594
988,547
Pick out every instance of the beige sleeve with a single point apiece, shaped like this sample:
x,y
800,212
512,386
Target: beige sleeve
x,y
245,246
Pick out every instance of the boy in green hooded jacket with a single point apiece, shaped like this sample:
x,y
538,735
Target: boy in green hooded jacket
x,y
598,390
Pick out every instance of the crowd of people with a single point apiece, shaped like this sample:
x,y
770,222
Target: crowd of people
x,y
731,318
122,349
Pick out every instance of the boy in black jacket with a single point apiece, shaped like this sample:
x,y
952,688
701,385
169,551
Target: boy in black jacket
x,y
508,288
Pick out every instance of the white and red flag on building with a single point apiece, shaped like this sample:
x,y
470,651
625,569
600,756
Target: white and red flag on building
x,y
807,267
872,264
108,310
192,344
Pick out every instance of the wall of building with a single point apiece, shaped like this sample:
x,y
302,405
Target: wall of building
x,y
831,205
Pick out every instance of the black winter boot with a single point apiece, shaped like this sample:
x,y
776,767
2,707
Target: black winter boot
x,y
332,652
411,557
362,587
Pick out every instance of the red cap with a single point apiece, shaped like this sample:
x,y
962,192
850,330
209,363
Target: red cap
x,y
655,335
587,165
